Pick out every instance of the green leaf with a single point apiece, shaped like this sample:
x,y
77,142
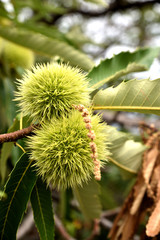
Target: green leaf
x,y
18,189
46,46
42,208
133,96
6,150
110,70
88,199
50,32
3,196
125,153
39,6
10,105
129,156
8,146
99,2
5,154
77,37
3,12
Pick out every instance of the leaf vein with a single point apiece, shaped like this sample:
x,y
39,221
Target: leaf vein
x,y
41,212
147,96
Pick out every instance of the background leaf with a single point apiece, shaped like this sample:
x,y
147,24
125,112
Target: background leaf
x,y
7,147
50,32
125,152
5,154
40,7
3,195
88,199
42,208
18,189
46,46
10,105
133,96
99,2
126,62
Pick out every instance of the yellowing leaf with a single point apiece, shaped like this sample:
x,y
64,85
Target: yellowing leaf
x,y
125,153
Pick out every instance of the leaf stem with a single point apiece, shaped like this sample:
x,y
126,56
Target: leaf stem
x,y
18,145
125,108
121,166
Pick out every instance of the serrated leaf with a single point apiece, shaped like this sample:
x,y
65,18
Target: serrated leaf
x,y
88,199
18,189
46,46
110,70
125,152
42,209
133,96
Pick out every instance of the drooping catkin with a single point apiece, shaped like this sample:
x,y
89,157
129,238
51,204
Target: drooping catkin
x,y
92,136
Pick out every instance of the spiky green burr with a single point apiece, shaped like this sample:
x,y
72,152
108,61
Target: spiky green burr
x,y
61,150
50,90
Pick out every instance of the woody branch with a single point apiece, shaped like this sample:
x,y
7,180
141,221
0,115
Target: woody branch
x,y
19,134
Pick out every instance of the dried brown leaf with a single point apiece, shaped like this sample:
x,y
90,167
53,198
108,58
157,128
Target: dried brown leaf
x,y
138,200
153,190
158,186
153,226
125,224
149,163
119,221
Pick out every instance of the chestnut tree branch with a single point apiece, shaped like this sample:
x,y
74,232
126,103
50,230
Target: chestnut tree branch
x,y
14,136
116,6
113,7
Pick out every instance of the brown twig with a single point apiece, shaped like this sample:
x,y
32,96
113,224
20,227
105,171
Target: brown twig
x,y
95,231
14,136
106,223
61,229
110,212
